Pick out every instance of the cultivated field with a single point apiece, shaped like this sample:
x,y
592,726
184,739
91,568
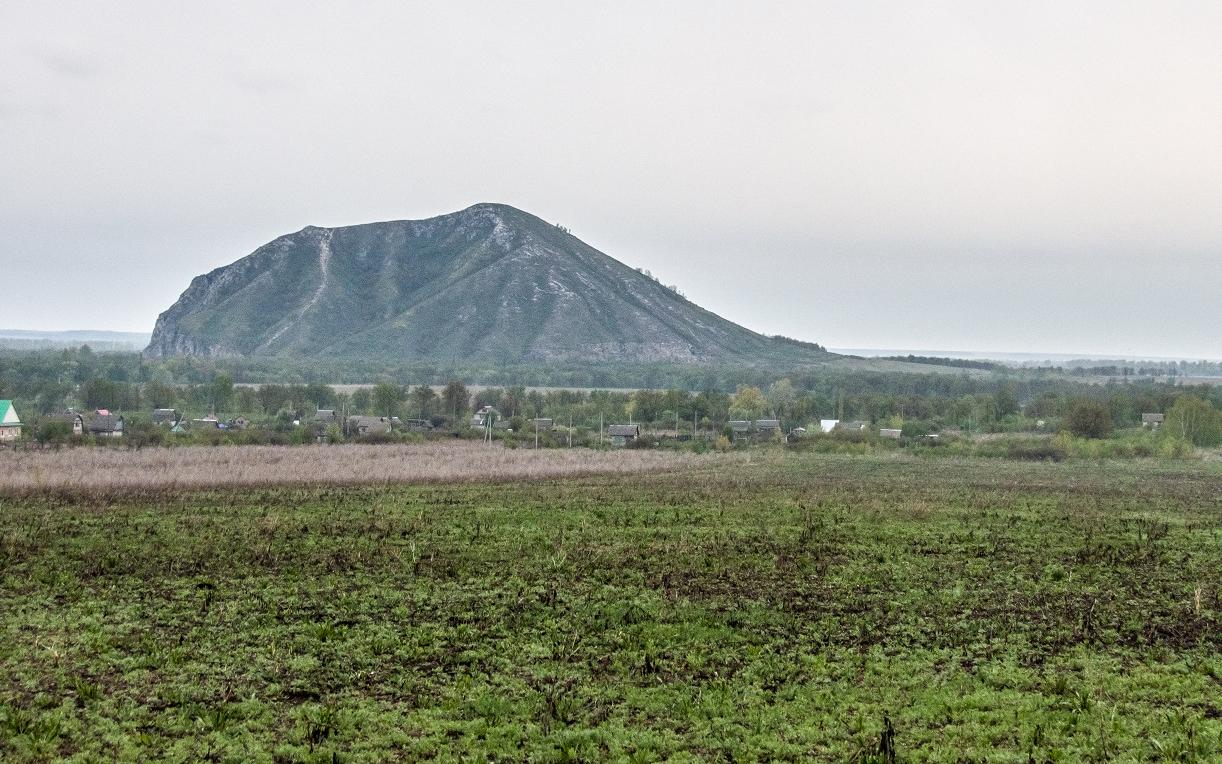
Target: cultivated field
x,y
111,471
793,607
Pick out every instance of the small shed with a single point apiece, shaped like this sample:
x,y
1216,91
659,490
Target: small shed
x,y
206,423
414,425
541,423
104,424
165,417
851,427
623,434
1152,421
890,432
740,427
10,423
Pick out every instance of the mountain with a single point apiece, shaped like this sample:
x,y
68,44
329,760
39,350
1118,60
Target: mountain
x,y
488,283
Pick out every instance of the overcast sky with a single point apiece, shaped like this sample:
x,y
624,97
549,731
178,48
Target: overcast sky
x,y
1006,176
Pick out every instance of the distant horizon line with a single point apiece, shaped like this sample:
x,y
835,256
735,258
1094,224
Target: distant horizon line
x,y
969,355
1012,355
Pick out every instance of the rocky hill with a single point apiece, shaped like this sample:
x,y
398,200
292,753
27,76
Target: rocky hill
x,y
489,283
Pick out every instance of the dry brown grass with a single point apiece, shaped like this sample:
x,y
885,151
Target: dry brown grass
x,y
106,471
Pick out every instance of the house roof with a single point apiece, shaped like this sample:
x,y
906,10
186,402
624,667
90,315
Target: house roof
x,y
368,422
105,423
852,426
740,425
768,424
8,414
624,430
1145,418
65,416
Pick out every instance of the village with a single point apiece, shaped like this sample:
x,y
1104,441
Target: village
x,y
169,426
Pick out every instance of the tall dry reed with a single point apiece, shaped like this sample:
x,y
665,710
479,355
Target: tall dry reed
x,y
106,471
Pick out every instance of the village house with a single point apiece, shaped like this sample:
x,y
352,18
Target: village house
x,y
104,424
479,420
889,432
165,417
827,425
368,425
540,424
1152,421
623,434
206,423
414,425
74,420
739,428
767,427
10,423
856,427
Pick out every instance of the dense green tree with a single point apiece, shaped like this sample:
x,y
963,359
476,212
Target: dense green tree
x,y
455,398
100,394
1088,418
1005,401
1195,420
222,391
387,397
422,398
748,403
362,400
781,398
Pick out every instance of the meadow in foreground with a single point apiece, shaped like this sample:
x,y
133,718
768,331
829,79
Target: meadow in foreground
x,y
794,607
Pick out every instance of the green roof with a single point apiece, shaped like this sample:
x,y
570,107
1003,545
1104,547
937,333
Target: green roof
x,y
8,415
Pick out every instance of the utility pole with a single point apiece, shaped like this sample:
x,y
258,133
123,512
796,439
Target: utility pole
x,y
600,428
536,433
570,429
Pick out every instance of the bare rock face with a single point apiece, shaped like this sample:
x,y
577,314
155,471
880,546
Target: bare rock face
x,y
489,283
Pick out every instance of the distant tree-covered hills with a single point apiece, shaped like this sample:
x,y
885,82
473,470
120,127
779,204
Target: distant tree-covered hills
x,y
490,283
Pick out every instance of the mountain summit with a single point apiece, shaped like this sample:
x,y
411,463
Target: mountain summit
x,y
489,283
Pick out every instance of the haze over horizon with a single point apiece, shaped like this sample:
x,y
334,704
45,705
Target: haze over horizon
x,y
1042,178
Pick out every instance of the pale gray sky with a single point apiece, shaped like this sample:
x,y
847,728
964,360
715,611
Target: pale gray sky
x,y
1008,176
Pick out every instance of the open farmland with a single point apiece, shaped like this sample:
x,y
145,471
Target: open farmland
x,y
782,607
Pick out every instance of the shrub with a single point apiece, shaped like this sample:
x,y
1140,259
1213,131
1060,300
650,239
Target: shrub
x,y
1088,418
53,432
